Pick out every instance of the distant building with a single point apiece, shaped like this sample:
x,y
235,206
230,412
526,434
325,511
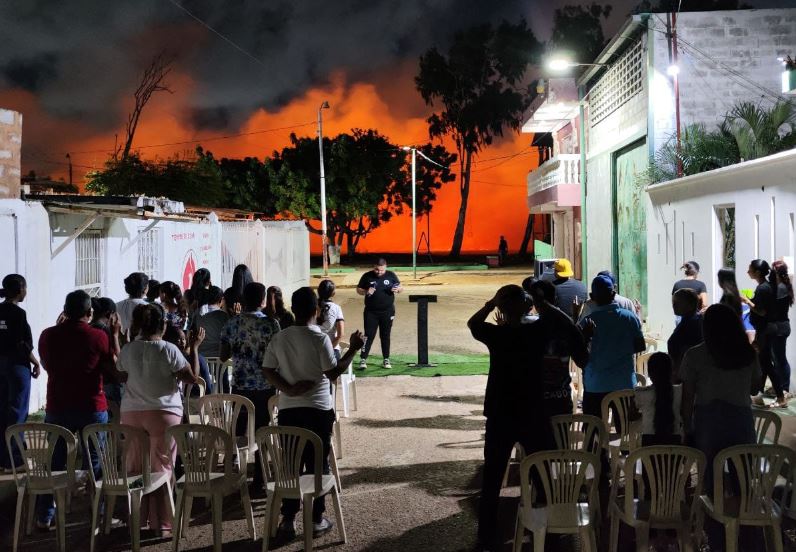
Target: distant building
x,y
554,189
724,57
10,152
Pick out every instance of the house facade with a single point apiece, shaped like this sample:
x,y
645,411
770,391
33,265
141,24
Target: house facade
x,y
630,107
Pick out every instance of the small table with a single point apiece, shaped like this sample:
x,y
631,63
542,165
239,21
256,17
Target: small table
x,y
422,328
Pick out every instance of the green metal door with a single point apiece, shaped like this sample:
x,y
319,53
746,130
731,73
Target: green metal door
x,y
630,223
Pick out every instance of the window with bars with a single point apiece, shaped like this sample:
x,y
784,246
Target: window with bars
x,y
149,253
620,83
89,253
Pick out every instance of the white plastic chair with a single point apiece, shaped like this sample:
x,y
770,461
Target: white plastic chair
x,y
218,372
623,434
187,400
660,499
579,432
36,443
115,445
222,411
652,344
641,362
641,380
576,377
569,494
754,468
348,386
285,446
199,446
764,422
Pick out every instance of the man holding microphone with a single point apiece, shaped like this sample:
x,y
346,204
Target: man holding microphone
x,y
379,287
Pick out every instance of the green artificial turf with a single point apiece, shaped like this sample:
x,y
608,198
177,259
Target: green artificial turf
x,y
446,365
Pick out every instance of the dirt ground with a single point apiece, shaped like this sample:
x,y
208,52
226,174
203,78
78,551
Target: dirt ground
x,y
459,294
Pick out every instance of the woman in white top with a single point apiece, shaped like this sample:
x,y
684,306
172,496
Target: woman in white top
x,y
152,400
330,317
659,404
300,362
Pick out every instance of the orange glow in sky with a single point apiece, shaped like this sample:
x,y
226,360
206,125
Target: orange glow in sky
x,y
389,103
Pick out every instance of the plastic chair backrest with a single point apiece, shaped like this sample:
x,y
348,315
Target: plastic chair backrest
x,y
620,403
563,474
36,443
764,420
222,410
273,409
116,445
218,371
668,471
755,469
187,389
642,360
651,342
641,380
199,446
579,432
285,446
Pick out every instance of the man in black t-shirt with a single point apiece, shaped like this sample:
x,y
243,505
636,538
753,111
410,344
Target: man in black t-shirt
x,y
379,287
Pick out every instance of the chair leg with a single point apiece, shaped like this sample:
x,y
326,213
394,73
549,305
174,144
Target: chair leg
x,y
186,512
776,536
30,513
335,470
588,539
519,532
643,537
60,510
338,436
730,537
135,519
217,522
344,387
171,499
275,513
177,529
353,385
110,505
506,475
307,511
247,508
338,513
614,542
269,505
686,540
95,504
538,539
18,516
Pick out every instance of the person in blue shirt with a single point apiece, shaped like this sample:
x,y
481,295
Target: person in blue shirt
x,y
615,336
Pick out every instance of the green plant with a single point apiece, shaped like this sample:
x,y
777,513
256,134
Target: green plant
x,y
759,132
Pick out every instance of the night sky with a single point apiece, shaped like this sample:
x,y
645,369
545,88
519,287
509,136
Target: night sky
x,y
71,67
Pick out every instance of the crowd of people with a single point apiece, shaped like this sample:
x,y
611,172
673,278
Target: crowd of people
x,y
133,357
701,392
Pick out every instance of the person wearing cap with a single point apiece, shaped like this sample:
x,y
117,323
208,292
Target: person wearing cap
x,y
620,300
690,281
615,336
569,291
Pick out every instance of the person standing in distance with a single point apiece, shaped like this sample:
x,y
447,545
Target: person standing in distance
x,y
379,287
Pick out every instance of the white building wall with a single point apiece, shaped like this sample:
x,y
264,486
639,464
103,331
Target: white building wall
x,y
682,226
30,234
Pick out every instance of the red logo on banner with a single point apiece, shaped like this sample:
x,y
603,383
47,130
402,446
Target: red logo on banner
x,y
189,268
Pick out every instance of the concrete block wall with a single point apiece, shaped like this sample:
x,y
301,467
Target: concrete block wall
x,y
10,153
744,41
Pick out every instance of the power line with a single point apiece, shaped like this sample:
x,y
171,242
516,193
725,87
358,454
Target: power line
x,y
207,139
221,36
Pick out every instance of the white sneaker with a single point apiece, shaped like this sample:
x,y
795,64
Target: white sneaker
x,y
386,363
321,528
362,364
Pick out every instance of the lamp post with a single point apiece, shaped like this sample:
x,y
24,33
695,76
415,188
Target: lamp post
x,y
559,64
414,214
324,245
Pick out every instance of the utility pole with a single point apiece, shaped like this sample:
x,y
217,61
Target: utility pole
x,y
69,157
324,245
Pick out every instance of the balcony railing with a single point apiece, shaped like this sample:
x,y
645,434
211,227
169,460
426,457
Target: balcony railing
x,y
561,169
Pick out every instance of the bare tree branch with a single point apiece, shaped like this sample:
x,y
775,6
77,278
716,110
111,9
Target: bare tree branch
x,y
151,81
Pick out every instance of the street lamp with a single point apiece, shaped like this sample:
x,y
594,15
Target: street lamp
x,y
324,246
560,64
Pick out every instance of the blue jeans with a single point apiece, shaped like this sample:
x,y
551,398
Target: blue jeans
x,y
14,402
74,422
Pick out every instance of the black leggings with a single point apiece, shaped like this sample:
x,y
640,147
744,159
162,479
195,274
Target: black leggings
x,y
765,342
382,321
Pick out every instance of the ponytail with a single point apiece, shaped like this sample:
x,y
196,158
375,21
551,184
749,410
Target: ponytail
x,y
325,294
660,370
780,269
13,284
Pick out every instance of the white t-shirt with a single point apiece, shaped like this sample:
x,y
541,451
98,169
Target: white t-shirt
x,y
124,309
302,353
151,384
329,326
645,402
